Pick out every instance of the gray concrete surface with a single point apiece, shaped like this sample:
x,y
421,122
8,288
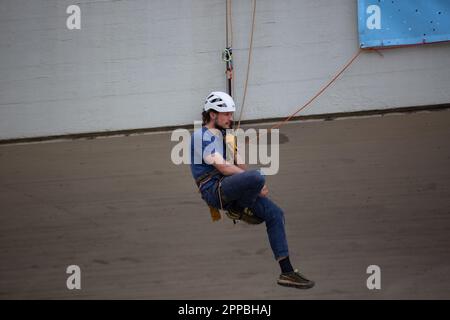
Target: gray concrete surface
x,y
356,192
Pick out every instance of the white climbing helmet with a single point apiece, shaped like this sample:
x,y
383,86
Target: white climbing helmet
x,y
219,101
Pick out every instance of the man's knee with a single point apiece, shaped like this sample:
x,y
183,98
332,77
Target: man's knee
x,y
256,179
276,215
279,213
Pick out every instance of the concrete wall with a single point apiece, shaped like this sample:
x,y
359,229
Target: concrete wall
x,y
150,63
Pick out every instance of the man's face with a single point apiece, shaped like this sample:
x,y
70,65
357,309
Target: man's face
x,y
224,119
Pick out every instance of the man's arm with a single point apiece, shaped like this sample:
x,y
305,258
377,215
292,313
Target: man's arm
x,y
226,168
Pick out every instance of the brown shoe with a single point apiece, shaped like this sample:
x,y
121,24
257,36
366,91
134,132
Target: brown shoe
x,y
295,279
244,214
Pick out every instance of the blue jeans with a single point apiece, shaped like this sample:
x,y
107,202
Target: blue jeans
x,y
242,190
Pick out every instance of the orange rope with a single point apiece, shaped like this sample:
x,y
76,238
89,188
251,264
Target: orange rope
x,y
279,124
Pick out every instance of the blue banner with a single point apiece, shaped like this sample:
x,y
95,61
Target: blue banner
x,y
383,23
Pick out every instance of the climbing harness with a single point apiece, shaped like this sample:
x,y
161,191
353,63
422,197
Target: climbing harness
x,y
245,214
200,181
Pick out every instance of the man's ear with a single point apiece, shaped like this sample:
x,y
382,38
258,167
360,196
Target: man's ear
x,y
213,115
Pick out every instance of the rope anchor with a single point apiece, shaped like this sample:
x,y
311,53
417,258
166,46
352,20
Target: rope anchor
x,y
227,55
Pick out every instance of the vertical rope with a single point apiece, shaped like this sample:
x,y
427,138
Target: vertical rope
x,y
227,5
248,63
231,42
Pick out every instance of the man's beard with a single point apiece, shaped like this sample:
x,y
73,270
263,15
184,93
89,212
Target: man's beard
x,y
217,126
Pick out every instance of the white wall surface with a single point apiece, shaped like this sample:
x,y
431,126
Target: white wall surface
x,y
150,63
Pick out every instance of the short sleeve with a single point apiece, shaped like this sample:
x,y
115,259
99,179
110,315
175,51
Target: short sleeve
x,y
205,143
211,145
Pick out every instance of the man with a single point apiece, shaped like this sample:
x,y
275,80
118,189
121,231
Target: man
x,y
228,185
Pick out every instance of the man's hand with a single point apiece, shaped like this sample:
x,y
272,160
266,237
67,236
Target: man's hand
x,y
240,162
264,191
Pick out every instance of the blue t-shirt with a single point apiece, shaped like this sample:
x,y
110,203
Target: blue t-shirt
x,y
203,143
